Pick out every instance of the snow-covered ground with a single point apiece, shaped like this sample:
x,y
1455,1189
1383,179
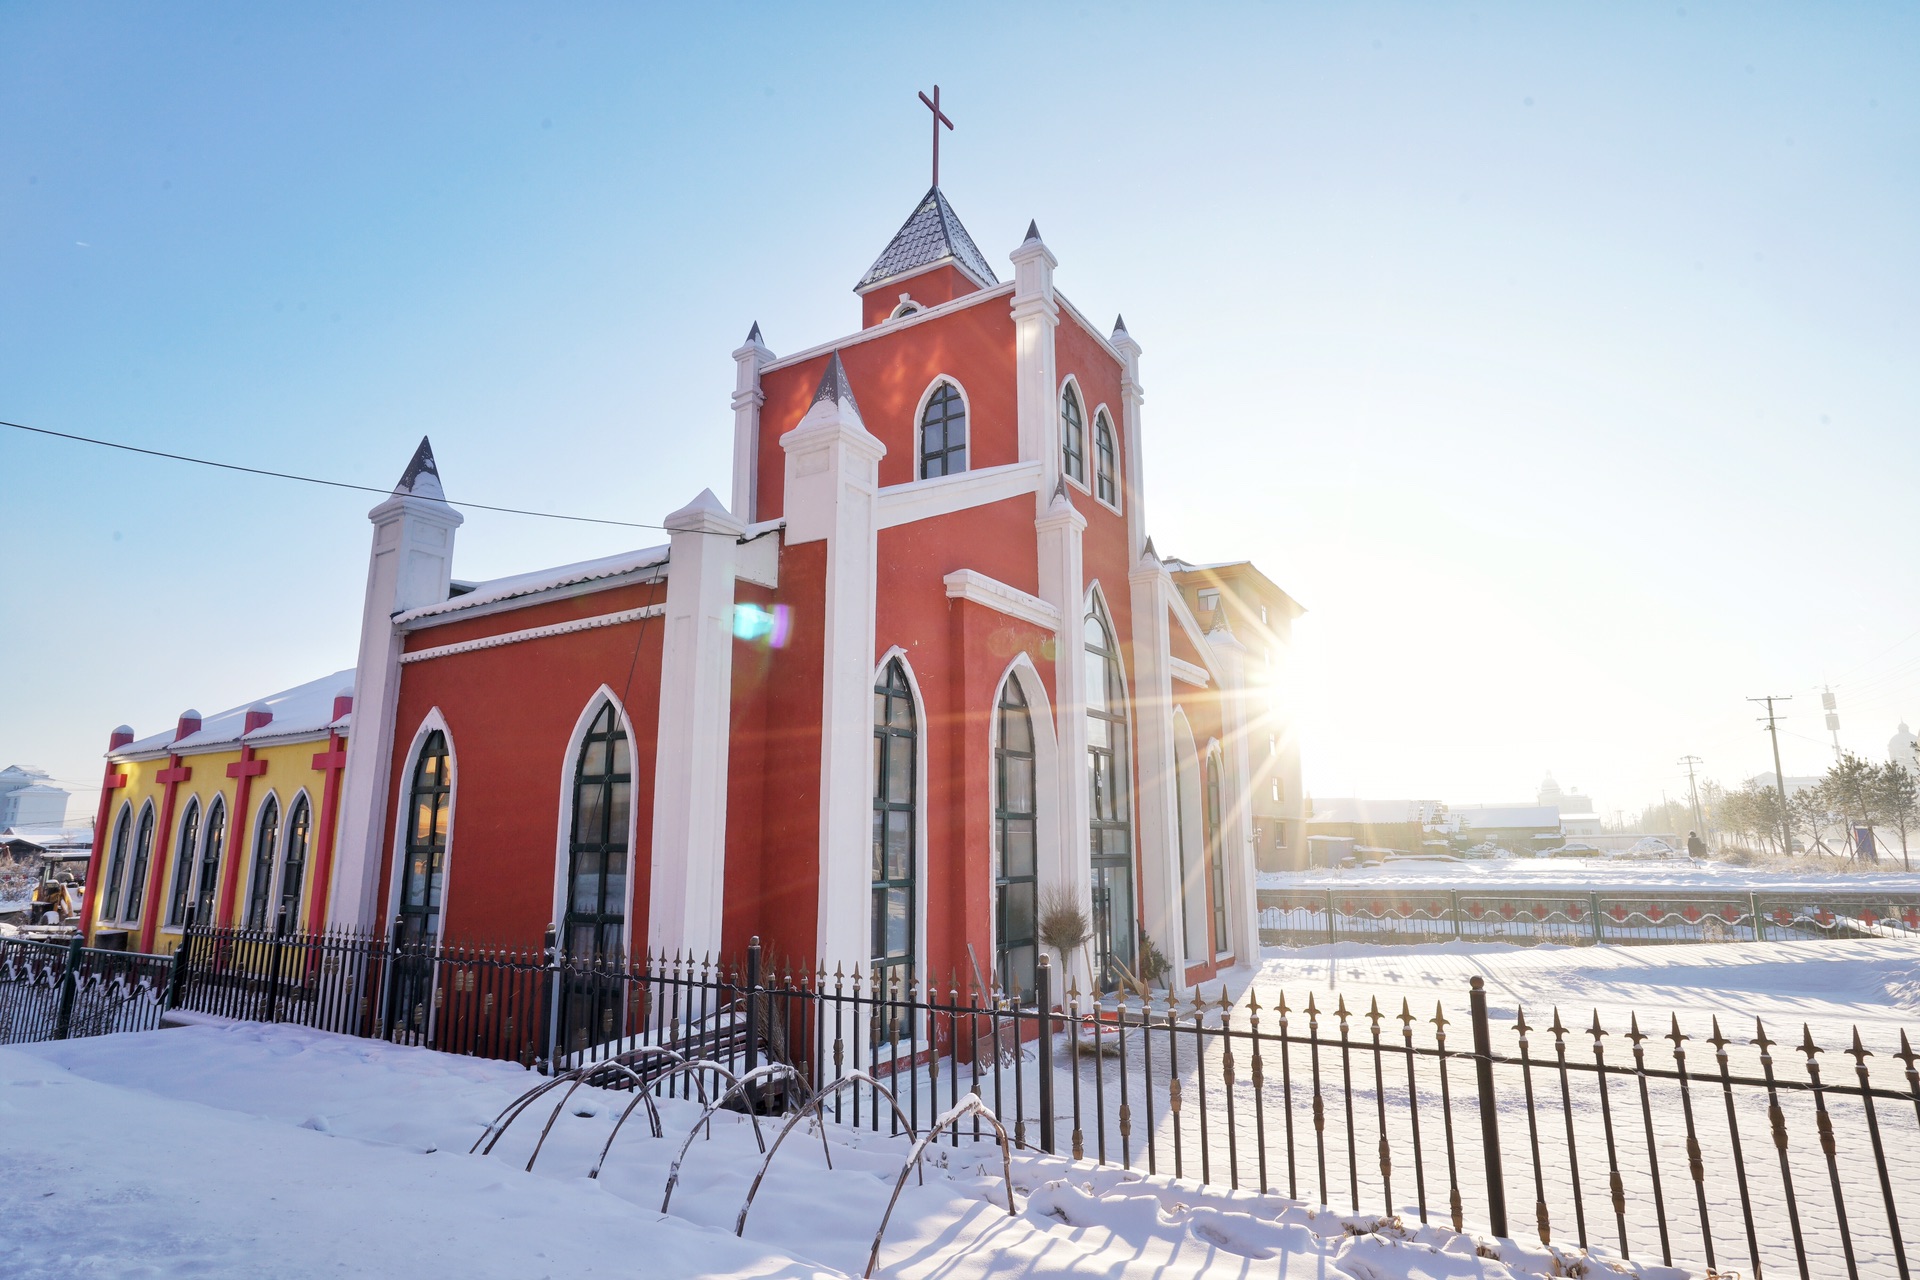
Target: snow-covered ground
x,y
249,1150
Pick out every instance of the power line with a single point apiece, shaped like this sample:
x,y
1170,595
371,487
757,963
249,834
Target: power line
x,y
332,484
1779,774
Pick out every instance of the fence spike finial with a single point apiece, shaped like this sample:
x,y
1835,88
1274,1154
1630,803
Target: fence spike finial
x,y
1406,1014
1439,1018
1342,1010
1676,1035
1859,1053
1226,1004
1807,1046
1718,1041
1559,1031
1311,1011
1596,1030
1520,1022
1760,1036
1634,1033
1253,1002
1906,1054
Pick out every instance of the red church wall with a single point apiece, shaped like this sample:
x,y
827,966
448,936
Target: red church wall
x,y
773,769
889,374
536,612
510,713
929,289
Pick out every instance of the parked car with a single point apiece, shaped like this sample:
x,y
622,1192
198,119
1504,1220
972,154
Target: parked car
x,y
1572,849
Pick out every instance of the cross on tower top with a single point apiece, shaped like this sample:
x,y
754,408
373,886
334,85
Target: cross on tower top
x,y
939,118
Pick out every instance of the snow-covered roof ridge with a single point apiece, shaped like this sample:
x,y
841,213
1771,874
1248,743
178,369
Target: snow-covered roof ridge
x,y
304,709
931,234
526,584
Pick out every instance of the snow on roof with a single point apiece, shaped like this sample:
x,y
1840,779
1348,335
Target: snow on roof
x,y
305,708
1372,812
1485,816
51,836
526,584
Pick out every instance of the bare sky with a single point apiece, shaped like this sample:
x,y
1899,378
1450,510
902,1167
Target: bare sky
x,y
1562,362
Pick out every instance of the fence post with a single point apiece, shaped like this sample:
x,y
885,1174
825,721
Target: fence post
x,y
1043,990
549,978
753,1017
1333,935
63,1013
1489,1117
1453,908
182,958
1593,905
273,964
1759,925
390,995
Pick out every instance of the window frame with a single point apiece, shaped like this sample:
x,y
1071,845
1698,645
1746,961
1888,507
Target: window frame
x,y
116,864
140,866
1106,468
300,808
883,965
186,859
1004,816
1212,800
965,448
427,921
1073,444
213,840
265,857
1118,753
615,733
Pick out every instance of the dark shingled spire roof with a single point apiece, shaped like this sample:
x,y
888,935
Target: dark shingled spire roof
x,y
1033,229
931,235
753,334
834,385
422,462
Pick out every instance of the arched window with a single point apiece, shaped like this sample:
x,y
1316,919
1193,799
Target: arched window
x,y
1073,437
895,740
426,839
1111,836
293,872
1015,884
266,846
1216,856
142,859
597,849
943,433
183,850
116,863
1103,472
210,850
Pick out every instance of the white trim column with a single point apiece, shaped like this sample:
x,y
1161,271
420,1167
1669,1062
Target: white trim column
x,y
1131,396
1157,804
749,359
1236,836
410,566
832,490
1062,585
1036,387
689,846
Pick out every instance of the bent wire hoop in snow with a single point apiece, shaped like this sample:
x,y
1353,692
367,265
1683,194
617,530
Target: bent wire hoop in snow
x,y
767,1071
591,1073
813,1106
969,1105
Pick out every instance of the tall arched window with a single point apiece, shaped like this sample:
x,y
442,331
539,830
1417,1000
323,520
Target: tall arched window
x,y
116,863
1216,859
1110,840
210,850
426,839
1073,437
895,740
183,850
266,846
293,872
943,433
1103,460
597,849
1015,883
142,859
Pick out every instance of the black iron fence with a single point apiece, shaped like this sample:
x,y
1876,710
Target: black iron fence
x,y
53,991
1394,914
1703,1145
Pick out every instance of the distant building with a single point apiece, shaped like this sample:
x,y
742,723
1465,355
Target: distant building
x,y
1579,815
1402,825
1260,616
1904,749
31,842
28,797
1794,785
1511,826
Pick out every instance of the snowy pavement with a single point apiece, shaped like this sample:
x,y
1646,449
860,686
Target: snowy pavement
x,y
249,1150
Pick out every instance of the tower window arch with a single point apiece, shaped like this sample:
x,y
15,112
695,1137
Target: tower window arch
x,y
266,848
293,869
116,864
428,810
142,859
184,850
596,917
943,433
1016,884
896,743
210,850
1073,437
1110,835
1105,487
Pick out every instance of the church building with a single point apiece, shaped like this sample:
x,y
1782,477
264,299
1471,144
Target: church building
x,y
920,676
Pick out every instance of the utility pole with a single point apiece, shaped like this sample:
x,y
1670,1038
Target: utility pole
x,y
1698,824
1779,774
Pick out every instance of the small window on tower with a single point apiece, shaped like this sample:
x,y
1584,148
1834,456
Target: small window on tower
x,y
1209,600
943,433
1073,438
1263,615
1104,487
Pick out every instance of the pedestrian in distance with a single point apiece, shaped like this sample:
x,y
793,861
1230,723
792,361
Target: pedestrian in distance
x,y
1696,847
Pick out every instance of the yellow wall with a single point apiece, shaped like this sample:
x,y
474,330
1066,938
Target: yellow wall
x,y
289,768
